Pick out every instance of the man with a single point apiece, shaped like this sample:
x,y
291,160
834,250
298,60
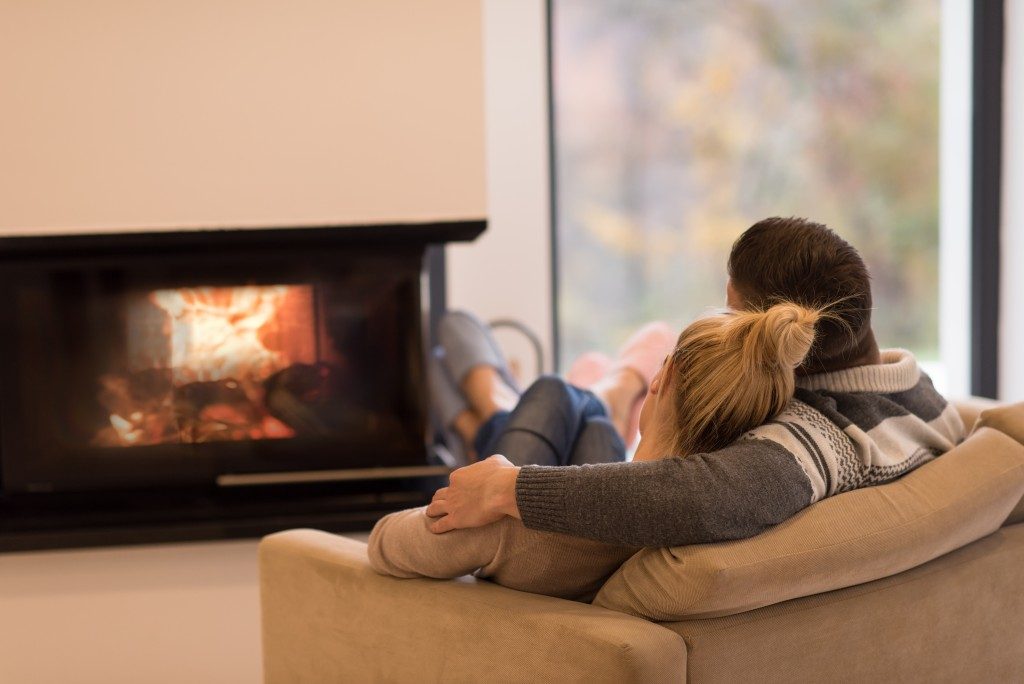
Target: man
x,y
859,417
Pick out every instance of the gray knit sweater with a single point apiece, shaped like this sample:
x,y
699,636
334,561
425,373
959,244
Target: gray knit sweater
x,y
843,430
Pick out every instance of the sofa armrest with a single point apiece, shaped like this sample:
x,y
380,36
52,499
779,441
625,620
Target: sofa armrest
x,y
971,407
328,617
1007,418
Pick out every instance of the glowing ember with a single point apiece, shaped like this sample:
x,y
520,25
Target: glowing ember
x,y
215,331
126,430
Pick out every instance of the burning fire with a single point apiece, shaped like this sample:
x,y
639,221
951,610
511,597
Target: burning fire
x,y
198,368
126,429
215,331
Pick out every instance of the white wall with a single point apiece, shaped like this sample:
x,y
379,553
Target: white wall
x,y
151,113
507,272
1011,306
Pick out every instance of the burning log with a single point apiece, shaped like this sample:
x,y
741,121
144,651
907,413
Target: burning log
x,y
145,411
297,394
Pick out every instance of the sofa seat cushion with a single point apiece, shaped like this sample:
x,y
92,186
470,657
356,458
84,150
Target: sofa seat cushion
x,y
839,542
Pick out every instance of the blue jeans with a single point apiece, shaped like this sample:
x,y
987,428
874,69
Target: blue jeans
x,y
554,424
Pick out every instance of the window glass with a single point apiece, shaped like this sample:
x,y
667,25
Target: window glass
x,y
680,123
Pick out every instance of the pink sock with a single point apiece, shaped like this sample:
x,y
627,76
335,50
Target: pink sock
x,y
587,369
646,349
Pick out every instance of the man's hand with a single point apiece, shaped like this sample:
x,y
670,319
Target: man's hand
x,y
475,496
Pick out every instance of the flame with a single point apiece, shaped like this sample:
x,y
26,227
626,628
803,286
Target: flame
x,y
215,331
126,430
232,338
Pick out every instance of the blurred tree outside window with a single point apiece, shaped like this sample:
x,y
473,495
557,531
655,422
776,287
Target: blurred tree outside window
x,y
679,123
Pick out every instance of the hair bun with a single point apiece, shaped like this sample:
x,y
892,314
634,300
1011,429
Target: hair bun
x,y
786,333
792,327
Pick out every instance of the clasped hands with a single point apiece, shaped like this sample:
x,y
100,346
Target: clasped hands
x,y
476,495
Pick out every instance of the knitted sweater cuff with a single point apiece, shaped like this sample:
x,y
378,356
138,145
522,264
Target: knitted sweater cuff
x,y
540,495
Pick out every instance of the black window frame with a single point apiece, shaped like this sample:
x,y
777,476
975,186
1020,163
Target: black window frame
x,y
986,192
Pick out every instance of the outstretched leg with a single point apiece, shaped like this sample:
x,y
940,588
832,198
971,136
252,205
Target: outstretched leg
x,y
545,425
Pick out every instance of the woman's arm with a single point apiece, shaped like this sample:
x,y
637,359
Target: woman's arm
x,y
402,545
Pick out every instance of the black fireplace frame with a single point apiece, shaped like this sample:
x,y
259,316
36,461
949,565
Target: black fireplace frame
x,y
349,501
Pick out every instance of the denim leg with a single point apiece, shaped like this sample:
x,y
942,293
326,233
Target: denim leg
x,y
488,432
544,427
599,442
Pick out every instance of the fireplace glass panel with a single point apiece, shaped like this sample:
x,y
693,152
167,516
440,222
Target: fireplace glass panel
x,y
128,377
204,364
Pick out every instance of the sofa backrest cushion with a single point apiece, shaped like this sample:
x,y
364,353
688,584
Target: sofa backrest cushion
x,y
838,542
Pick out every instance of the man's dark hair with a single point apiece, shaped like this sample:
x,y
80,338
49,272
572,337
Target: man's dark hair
x,y
793,259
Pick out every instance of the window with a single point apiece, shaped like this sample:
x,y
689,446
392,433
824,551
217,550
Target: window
x,y
679,124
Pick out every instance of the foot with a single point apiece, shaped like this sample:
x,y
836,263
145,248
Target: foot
x,y
448,405
639,360
645,350
468,344
588,369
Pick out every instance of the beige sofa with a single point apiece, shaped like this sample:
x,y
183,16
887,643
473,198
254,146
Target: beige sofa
x,y
767,609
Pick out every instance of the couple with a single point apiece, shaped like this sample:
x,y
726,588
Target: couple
x,y
755,414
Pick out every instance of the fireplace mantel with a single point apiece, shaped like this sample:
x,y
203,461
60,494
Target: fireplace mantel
x,y
48,243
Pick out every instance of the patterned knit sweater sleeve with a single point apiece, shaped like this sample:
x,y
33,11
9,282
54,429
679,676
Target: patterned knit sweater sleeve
x,y
845,430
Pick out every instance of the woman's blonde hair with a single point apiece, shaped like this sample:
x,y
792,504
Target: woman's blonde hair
x,y
733,371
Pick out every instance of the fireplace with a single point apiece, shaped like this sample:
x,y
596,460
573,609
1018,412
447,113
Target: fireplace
x,y
214,377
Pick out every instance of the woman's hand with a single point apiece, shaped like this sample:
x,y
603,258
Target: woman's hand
x,y
476,495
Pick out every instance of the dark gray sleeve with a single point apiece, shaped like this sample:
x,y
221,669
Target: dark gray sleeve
x,y
733,493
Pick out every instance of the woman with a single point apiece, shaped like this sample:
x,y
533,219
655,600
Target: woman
x,y
727,374
483,411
